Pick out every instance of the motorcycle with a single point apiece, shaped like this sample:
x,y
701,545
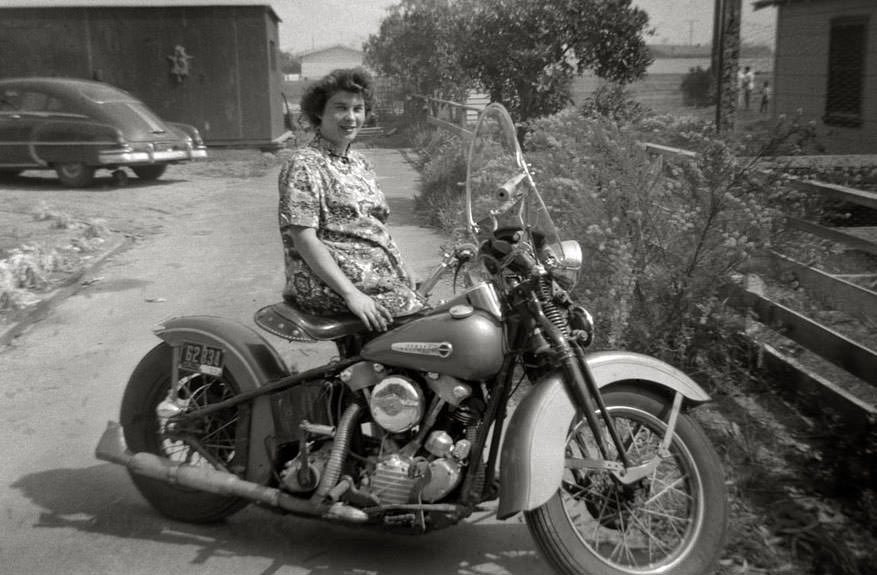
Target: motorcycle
x,y
416,428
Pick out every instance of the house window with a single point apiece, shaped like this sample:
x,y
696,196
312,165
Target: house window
x,y
846,72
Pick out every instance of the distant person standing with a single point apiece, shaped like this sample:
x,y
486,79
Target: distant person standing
x,y
765,97
747,85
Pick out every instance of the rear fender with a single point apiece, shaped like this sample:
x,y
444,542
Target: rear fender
x,y
251,359
532,461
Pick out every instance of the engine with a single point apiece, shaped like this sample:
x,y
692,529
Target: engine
x,y
419,468
415,440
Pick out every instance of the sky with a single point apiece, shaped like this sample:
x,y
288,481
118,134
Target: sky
x,y
314,24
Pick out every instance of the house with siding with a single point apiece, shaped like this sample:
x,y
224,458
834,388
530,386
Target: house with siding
x,y
317,63
209,63
826,68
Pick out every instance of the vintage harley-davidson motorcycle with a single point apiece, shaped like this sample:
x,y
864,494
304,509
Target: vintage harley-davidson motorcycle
x,y
416,428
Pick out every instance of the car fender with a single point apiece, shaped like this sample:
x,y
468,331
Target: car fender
x,y
187,130
251,359
72,140
532,460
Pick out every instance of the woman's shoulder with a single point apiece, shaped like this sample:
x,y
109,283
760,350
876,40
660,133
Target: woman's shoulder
x,y
303,158
360,158
305,153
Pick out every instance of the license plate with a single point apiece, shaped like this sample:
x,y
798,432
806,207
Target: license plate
x,y
201,358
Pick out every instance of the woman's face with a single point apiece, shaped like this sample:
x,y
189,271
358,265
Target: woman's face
x,y
343,116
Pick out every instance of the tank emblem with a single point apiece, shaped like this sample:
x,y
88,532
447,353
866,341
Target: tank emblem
x,y
442,349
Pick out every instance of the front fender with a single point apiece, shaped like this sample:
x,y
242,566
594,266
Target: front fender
x,y
531,466
251,359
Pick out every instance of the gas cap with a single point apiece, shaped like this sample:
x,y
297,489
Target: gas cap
x,y
461,311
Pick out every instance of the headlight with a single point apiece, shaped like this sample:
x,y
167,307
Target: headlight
x,y
564,266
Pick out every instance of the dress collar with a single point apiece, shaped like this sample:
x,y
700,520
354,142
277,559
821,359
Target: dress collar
x,y
321,143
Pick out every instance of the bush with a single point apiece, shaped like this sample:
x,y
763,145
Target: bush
x,y
697,88
442,164
663,236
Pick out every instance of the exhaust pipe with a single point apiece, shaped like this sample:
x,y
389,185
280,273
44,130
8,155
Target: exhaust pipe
x,y
112,448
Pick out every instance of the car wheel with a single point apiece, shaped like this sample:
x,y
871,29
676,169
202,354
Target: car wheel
x,y
75,174
149,173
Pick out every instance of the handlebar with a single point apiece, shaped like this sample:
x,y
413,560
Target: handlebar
x,y
509,190
460,254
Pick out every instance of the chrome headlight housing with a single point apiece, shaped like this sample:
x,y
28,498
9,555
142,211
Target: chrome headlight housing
x,y
565,265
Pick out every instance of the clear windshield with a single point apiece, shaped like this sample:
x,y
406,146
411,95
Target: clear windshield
x,y
500,193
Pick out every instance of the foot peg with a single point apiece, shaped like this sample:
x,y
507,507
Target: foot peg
x,y
343,512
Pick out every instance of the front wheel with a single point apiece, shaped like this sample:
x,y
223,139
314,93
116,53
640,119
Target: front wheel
x,y
75,174
149,173
216,440
672,521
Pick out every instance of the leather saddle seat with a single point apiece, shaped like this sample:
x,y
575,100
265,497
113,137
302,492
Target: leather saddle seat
x,y
287,321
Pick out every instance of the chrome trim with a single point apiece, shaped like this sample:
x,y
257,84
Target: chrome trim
x,y
127,158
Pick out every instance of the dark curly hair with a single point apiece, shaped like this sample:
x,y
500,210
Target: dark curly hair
x,y
356,80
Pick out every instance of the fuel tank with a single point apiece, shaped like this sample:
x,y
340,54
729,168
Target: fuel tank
x,y
459,341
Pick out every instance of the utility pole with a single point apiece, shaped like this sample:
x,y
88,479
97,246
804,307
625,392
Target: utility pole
x,y
725,60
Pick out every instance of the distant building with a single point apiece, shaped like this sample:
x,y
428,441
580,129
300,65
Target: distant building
x,y
318,63
209,63
826,67
680,50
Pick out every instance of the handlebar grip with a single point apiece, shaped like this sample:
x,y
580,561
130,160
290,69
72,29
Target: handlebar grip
x,y
509,190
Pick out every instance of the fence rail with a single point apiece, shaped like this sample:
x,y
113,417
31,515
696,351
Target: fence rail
x,y
853,402
452,116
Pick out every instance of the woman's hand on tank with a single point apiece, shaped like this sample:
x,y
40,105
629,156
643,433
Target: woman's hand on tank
x,y
374,315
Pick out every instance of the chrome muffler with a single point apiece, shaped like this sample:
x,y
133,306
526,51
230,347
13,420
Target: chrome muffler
x,y
112,448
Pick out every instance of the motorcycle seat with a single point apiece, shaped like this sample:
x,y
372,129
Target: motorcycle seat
x,y
286,321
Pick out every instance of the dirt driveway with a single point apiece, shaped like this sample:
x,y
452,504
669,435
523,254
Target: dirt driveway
x,y
777,526
55,232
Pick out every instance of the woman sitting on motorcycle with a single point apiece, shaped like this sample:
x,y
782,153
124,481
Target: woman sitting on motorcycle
x,y
338,252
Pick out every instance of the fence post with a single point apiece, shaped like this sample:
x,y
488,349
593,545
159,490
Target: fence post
x,y
726,56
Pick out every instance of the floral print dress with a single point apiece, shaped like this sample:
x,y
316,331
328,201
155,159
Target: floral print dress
x,y
339,197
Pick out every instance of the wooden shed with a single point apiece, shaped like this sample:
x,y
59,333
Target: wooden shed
x,y
209,63
826,68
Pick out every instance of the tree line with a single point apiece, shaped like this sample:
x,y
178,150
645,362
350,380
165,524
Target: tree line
x,y
521,53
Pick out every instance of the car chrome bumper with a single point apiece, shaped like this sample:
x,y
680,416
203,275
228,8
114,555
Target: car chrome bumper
x,y
111,158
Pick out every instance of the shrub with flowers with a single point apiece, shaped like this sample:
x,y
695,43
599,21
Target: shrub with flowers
x,y
662,235
442,175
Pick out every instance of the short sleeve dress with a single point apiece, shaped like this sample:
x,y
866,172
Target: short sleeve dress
x,y
339,197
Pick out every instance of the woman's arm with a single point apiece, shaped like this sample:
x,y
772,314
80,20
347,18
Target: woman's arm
x,y
320,260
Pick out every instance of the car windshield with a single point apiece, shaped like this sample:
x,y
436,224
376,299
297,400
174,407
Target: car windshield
x,y
124,106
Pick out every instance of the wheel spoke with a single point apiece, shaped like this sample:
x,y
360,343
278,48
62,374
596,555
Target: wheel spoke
x,y
631,525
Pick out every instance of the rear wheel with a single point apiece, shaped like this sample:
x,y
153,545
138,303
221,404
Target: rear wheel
x,y
212,441
673,520
75,174
149,173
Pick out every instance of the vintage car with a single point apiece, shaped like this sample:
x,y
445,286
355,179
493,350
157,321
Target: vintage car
x,y
76,127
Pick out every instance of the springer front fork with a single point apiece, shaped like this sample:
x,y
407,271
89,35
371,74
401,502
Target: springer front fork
x,y
585,392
